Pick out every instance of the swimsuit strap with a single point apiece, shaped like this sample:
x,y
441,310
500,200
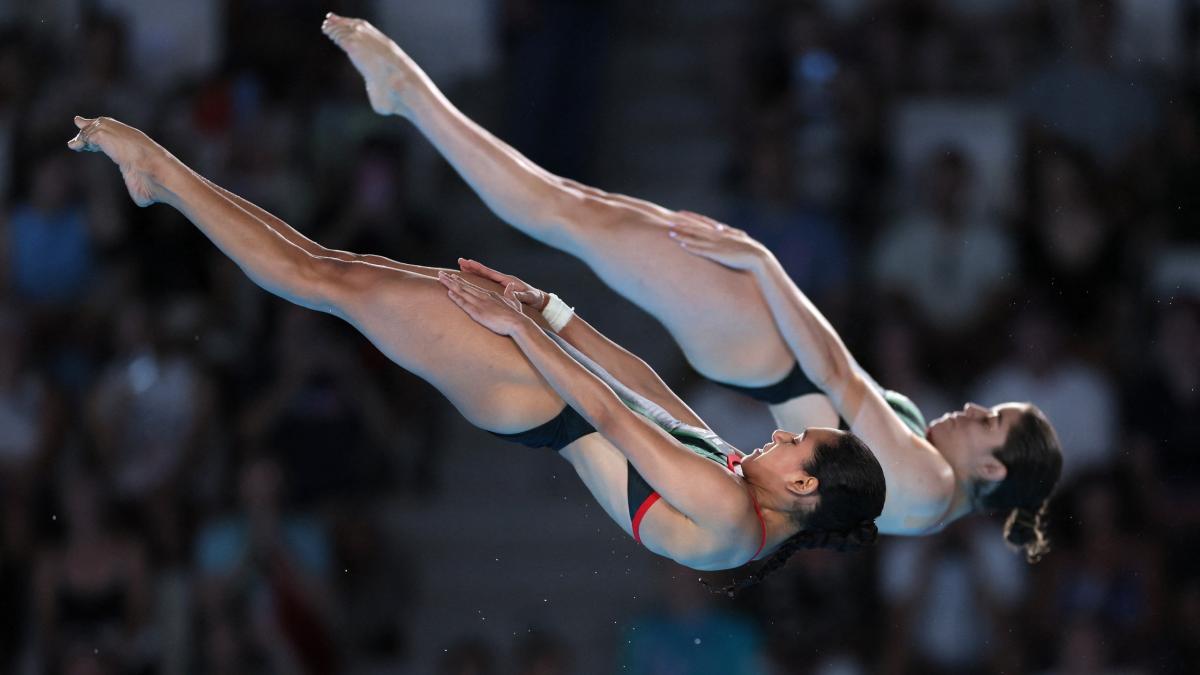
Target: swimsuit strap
x,y
763,523
731,462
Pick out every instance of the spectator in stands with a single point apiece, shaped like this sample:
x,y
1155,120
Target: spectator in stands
x,y
269,569
320,398
1082,97
951,601
376,611
1103,571
945,255
15,83
150,415
31,427
812,623
93,589
50,244
808,242
103,78
1070,247
1162,418
30,418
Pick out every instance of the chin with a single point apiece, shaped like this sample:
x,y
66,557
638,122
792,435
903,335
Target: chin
x,y
933,433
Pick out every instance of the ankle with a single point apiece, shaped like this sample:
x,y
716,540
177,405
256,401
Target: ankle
x,y
165,174
420,102
159,165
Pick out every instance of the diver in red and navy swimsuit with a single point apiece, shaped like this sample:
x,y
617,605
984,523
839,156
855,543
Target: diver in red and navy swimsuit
x,y
568,426
509,374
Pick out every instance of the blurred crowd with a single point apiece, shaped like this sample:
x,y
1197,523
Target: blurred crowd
x,y
992,200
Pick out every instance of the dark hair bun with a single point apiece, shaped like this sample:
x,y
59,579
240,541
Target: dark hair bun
x,y
842,541
866,534
1025,529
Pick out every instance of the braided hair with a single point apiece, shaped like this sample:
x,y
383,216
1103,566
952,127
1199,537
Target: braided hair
x,y
1032,457
851,488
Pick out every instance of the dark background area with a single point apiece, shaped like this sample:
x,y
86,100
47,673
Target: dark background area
x,y
992,200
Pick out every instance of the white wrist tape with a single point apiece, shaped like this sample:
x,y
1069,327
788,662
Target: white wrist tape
x,y
557,313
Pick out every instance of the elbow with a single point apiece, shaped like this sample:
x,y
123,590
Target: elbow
x,y
833,375
605,416
570,204
544,204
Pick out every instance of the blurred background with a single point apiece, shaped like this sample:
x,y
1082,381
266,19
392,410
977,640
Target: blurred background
x,y
992,200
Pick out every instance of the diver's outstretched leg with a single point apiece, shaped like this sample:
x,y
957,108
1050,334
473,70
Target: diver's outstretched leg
x,y
406,315
717,315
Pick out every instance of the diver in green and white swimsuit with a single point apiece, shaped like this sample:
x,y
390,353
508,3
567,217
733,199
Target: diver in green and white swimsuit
x,y
738,317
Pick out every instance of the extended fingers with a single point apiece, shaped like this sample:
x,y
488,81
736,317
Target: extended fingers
x,y
456,297
702,223
460,295
695,228
464,287
694,244
452,282
701,218
476,267
469,305
692,236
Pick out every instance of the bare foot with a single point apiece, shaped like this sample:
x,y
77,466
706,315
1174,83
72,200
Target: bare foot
x,y
390,74
139,158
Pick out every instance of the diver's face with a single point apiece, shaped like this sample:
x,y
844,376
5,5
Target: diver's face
x,y
975,430
787,452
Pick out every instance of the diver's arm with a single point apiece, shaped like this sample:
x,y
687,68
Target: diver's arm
x,y
915,471
687,481
690,483
818,349
920,481
627,368
623,365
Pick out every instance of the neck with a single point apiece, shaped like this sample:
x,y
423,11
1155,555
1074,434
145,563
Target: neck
x,y
777,516
960,503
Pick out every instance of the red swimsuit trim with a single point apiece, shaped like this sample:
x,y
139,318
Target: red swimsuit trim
x,y
641,513
731,462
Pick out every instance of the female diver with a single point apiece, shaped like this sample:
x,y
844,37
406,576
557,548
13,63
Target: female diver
x,y
780,349
505,374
